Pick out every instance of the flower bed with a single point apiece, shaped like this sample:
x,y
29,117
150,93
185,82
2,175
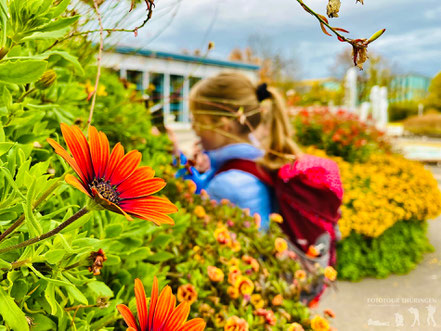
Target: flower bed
x,y
339,134
382,198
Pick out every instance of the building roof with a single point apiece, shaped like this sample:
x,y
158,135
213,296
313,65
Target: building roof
x,y
184,58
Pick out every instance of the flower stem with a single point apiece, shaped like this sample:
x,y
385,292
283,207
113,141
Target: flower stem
x,y
309,10
20,220
46,235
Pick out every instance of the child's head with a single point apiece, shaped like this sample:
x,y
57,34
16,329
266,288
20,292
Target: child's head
x,y
227,107
215,103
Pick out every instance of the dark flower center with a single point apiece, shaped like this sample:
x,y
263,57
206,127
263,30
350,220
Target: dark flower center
x,y
106,190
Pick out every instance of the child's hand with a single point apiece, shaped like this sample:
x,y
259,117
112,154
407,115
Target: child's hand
x,y
202,161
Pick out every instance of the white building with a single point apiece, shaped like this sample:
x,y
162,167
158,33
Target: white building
x,y
171,75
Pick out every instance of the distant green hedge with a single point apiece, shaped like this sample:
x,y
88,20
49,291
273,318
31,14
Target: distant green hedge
x,y
397,250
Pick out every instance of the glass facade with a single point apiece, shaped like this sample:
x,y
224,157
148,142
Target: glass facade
x,y
135,77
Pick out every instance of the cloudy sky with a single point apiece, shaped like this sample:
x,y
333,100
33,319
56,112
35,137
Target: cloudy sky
x,y
412,42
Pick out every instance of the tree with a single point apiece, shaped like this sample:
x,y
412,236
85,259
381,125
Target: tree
x,y
433,100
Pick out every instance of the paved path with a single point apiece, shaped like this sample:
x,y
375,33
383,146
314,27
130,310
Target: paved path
x,y
366,304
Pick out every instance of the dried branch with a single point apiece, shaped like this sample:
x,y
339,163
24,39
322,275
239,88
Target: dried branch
x,y
359,46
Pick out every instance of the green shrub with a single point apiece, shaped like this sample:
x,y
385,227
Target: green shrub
x,y
397,250
401,110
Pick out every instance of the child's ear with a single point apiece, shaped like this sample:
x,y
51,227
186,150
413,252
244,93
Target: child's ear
x,y
226,124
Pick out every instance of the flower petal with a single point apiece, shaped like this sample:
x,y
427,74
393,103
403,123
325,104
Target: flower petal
x,y
116,155
141,304
153,302
99,151
178,317
140,174
143,188
72,180
125,167
196,324
79,147
65,155
155,217
148,204
128,316
165,305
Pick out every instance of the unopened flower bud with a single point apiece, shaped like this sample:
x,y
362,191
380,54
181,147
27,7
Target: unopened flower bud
x,y
210,45
46,80
376,35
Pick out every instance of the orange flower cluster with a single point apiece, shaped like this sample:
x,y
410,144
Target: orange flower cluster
x,y
235,323
188,293
215,274
252,262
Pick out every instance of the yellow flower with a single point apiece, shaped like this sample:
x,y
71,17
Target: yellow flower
x,y
235,323
257,301
235,246
191,186
300,274
244,285
199,211
330,273
233,274
318,323
233,292
277,300
252,262
215,274
295,327
312,251
281,245
277,218
234,261
219,319
222,236
187,292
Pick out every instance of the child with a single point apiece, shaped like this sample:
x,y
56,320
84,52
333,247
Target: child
x,y
226,110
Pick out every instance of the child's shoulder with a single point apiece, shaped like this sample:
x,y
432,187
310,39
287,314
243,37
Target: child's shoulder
x,y
234,184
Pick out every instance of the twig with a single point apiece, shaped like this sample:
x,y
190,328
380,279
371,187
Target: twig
x,y
98,73
20,220
150,5
46,235
309,10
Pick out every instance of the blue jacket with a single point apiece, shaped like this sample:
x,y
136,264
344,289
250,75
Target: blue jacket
x,y
241,188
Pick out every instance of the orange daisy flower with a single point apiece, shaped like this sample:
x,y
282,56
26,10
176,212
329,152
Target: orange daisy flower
x,y
162,315
113,180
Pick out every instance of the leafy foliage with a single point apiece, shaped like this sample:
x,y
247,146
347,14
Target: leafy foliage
x,y
397,250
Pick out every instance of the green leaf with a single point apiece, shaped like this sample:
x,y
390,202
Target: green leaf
x,y
59,24
160,257
54,256
47,35
113,230
100,289
4,147
30,219
43,323
57,11
22,71
77,295
13,316
161,240
4,264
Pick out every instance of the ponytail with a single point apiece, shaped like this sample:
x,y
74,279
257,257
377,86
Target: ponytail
x,y
280,145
